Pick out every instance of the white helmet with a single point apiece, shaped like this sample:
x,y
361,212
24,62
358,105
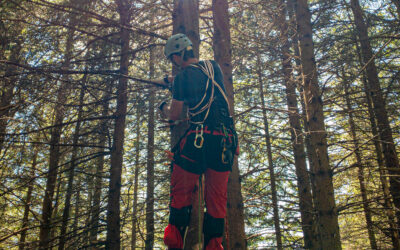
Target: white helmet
x,y
176,44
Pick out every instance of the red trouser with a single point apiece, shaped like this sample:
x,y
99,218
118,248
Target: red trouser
x,y
183,185
213,159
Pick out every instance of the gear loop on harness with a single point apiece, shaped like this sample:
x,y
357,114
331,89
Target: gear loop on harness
x,y
199,139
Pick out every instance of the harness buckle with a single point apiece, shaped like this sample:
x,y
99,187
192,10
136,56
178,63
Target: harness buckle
x,y
199,139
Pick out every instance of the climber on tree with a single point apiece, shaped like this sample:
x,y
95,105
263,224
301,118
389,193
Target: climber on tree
x,y
207,147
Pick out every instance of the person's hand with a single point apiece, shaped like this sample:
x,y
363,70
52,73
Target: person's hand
x,y
169,154
161,106
164,109
168,80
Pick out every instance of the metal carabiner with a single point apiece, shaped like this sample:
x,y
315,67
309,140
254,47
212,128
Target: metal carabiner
x,y
199,136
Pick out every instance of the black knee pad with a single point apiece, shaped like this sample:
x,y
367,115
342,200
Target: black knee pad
x,y
212,228
180,218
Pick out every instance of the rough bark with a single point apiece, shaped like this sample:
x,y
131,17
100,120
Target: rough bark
x,y
324,193
149,242
278,234
360,166
379,104
223,55
113,240
296,132
186,20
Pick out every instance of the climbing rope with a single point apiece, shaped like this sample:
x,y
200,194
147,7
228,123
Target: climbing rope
x,y
208,70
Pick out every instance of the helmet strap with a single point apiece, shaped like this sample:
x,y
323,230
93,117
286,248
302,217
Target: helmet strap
x,y
183,55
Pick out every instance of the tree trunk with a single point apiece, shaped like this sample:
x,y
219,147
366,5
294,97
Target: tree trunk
x,y
223,55
71,173
113,240
374,88
136,182
7,90
149,243
186,20
75,223
56,131
98,180
303,179
389,206
278,235
25,220
363,189
324,193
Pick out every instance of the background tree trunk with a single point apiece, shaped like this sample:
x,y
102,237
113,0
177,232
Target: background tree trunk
x,y
71,172
56,131
185,18
27,207
7,90
379,103
113,240
324,193
223,55
296,132
278,234
136,177
388,203
150,164
99,163
360,166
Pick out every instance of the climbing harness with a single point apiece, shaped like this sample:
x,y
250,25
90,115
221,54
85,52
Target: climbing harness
x,y
199,139
204,106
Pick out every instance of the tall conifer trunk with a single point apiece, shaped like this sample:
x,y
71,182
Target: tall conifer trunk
x,y
360,166
389,206
324,193
278,234
223,55
296,131
99,163
186,21
136,178
7,90
113,241
71,173
379,105
150,164
59,111
25,221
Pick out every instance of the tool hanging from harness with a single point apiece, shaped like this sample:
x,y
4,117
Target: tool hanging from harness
x,y
204,108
